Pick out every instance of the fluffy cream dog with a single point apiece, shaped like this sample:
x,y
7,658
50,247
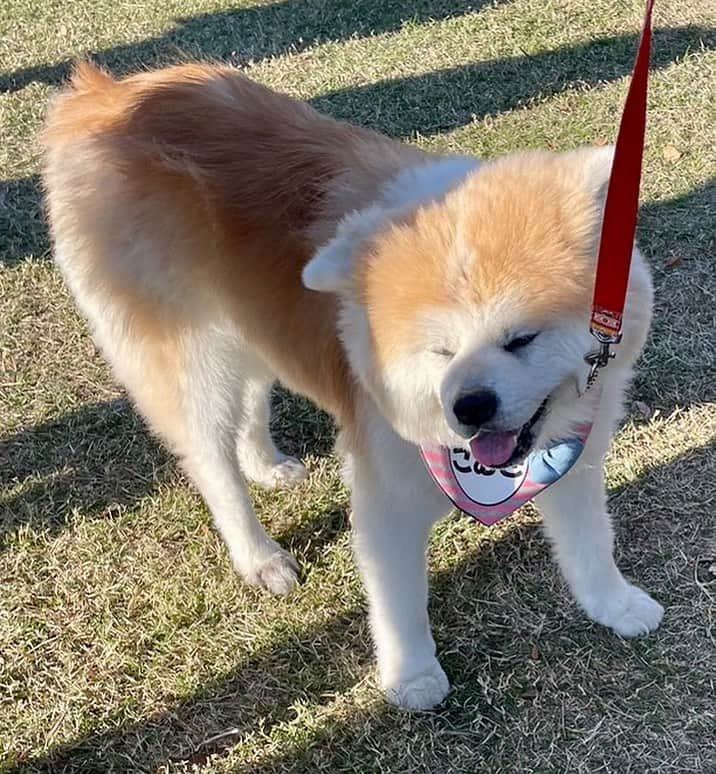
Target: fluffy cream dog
x,y
218,236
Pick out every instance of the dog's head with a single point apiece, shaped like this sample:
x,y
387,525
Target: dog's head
x,y
466,318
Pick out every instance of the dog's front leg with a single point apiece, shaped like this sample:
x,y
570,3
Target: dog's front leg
x,y
578,524
394,506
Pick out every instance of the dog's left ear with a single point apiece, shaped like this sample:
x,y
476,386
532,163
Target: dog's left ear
x,y
331,269
593,166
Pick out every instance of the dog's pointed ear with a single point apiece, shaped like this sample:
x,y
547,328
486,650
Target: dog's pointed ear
x,y
331,268
594,166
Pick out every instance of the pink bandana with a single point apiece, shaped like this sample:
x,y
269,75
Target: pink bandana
x,y
491,494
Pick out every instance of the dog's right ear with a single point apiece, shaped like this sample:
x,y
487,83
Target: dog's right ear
x,y
331,268
593,166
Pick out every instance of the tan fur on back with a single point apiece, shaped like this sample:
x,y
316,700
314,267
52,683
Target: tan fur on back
x,y
228,189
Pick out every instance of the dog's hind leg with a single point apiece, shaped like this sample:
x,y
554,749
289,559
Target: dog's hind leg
x,y
197,403
221,389
259,458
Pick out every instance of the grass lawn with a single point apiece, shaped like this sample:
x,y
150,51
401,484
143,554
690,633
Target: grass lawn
x,y
127,643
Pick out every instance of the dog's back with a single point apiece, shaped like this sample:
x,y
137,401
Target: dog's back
x,y
191,195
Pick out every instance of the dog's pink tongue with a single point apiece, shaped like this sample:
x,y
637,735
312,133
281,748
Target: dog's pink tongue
x,y
493,449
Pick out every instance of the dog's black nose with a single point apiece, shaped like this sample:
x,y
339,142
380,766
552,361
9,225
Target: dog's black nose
x,y
476,408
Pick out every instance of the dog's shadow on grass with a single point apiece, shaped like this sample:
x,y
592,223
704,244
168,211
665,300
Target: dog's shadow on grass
x,y
424,104
101,457
213,720
93,460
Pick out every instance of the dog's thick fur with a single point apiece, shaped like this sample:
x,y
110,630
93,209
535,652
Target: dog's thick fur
x,y
196,215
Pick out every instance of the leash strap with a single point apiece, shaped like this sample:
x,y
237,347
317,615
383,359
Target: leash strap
x,y
622,204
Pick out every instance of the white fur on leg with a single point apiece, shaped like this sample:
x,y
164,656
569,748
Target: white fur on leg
x,y
259,458
628,610
394,506
224,376
278,573
283,472
420,692
288,471
577,522
255,556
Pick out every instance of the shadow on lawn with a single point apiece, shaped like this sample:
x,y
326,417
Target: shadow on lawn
x,y
248,34
240,702
94,459
23,229
424,104
101,456
444,100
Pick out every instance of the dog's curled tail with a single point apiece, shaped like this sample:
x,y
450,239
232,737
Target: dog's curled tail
x,y
205,122
82,108
88,77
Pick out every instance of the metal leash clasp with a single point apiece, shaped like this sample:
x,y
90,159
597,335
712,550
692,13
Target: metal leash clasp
x,y
600,357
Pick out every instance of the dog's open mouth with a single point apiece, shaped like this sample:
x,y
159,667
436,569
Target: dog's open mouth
x,y
498,450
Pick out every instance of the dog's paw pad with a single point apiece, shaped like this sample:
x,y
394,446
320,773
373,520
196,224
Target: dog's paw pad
x,y
422,692
640,615
278,574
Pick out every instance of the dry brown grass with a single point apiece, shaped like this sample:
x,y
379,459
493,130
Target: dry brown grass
x,y
126,643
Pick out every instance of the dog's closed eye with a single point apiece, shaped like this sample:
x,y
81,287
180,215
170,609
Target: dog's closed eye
x,y
519,342
443,352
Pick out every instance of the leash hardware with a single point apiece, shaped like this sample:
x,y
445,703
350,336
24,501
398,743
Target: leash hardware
x,y
600,358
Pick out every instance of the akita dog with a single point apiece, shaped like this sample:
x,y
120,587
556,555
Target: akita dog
x,y
218,236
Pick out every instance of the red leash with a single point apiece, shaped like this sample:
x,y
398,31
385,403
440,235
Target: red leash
x,y
620,212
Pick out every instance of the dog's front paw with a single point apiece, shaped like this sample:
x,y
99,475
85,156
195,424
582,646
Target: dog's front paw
x,y
421,691
630,612
640,615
